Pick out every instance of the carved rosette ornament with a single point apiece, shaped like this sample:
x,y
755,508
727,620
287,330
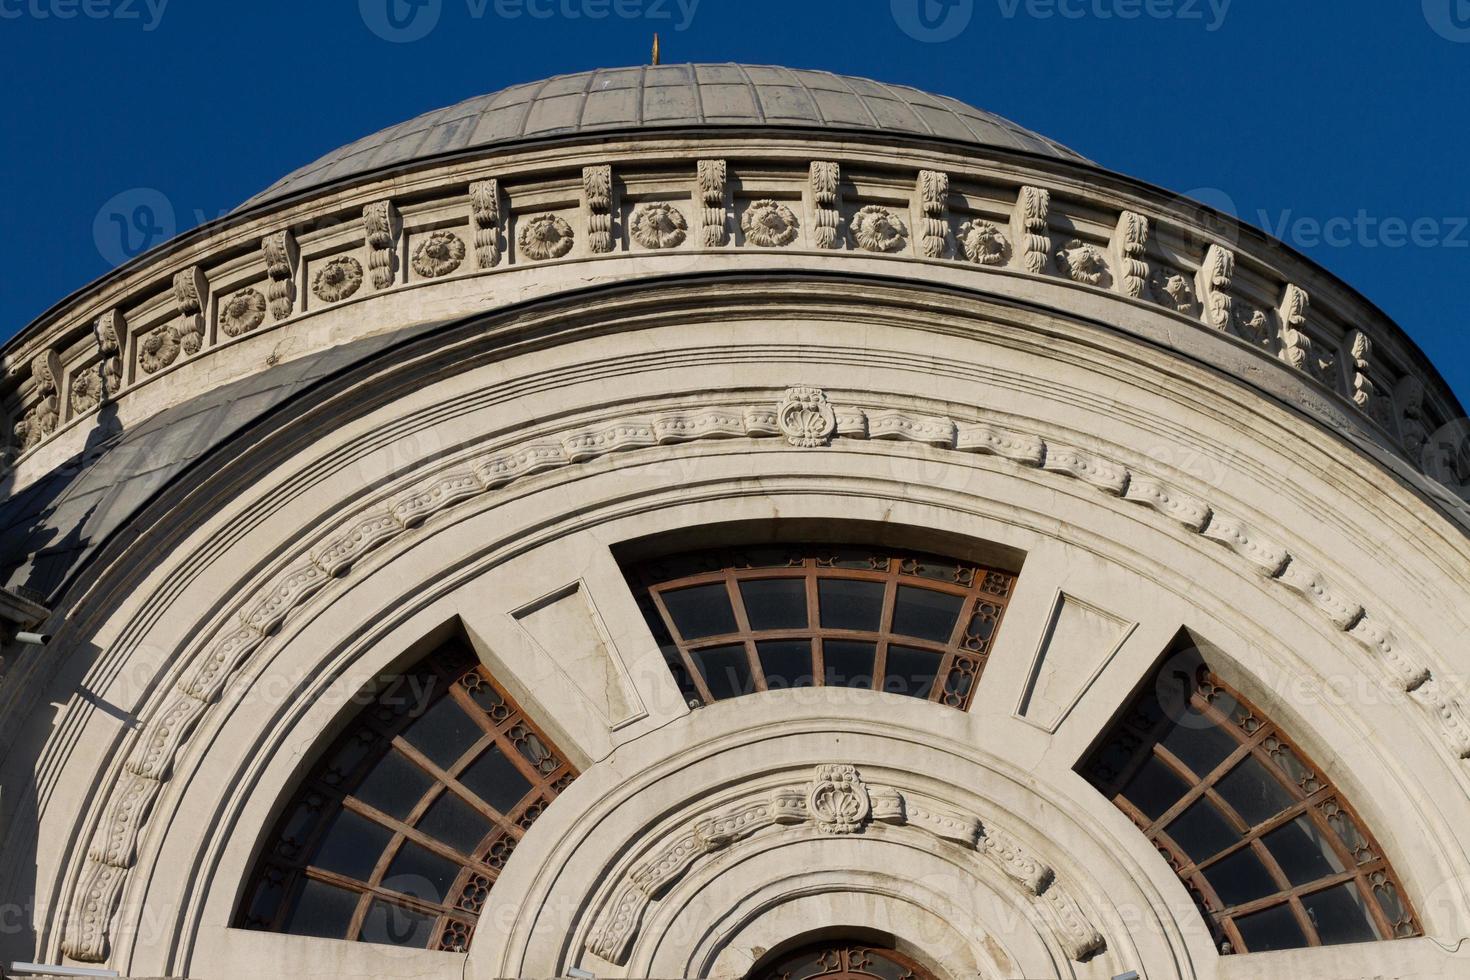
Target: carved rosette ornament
x,y
878,229
545,236
159,348
438,255
983,243
806,417
242,312
338,279
1082,263
838,800
87,389
1172,288
659,225
768,223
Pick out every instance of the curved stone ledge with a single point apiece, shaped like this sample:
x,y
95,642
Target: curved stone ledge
x,y
562,209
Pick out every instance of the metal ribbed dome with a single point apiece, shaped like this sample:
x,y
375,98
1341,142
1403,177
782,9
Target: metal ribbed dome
x,y
668,97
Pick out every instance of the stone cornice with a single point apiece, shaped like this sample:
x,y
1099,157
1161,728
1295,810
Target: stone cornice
x,y
452,227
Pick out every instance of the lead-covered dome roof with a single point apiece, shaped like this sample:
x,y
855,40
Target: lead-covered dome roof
x,y
668,97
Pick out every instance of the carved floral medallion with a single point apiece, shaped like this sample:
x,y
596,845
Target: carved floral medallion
x,y
546,236
438,255
769,223
1082,263
338,279
983,243
659,225
806,417
879,229
159,348
838,800
242,312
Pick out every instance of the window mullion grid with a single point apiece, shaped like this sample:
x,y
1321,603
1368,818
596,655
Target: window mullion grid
x,y
742,626
814,622
885,626
696,677
366,893
451,782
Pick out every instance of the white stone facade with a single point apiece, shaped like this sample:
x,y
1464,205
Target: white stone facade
x,y
725,335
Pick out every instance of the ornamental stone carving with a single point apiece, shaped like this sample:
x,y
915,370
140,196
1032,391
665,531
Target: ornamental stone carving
x,y
338,279
597,188
281,257
1082,263
242,312
769,224
1212,285
1129,244
878,229
838,801
1029,229
45,415
438,255
1172,288
381,226
191,292
659,225
806,418
711,179
933,192
546,236
983,243
159,348
825,178
87,389
1296,346
485,215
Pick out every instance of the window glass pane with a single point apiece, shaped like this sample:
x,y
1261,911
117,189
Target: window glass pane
x,y
787,663
848,663
395,925
1302,851
456,823
703,610
444,732
1154,788
322,910
394,785
911,671
680,672
1241,878
1253,792
420,873
726,670
352,846
851,605
926,614
1339,915
1200,831
1198,743
775,603
1275,928
495,779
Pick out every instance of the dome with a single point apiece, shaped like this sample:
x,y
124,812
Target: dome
x,y
663,98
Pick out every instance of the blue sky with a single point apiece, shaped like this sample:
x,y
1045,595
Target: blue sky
x,y
1343,127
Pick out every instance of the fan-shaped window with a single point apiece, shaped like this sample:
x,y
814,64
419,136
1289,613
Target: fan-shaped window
x,y
1271,851
398,834
737,622
840,960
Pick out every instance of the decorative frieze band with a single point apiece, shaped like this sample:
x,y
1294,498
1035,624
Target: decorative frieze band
x,y
835,801
1344,363
805,418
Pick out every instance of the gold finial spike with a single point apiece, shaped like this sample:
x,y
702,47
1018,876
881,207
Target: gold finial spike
x,y
655,48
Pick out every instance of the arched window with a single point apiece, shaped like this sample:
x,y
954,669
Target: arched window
x,y
841,960
1271,851
399,832
735,622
